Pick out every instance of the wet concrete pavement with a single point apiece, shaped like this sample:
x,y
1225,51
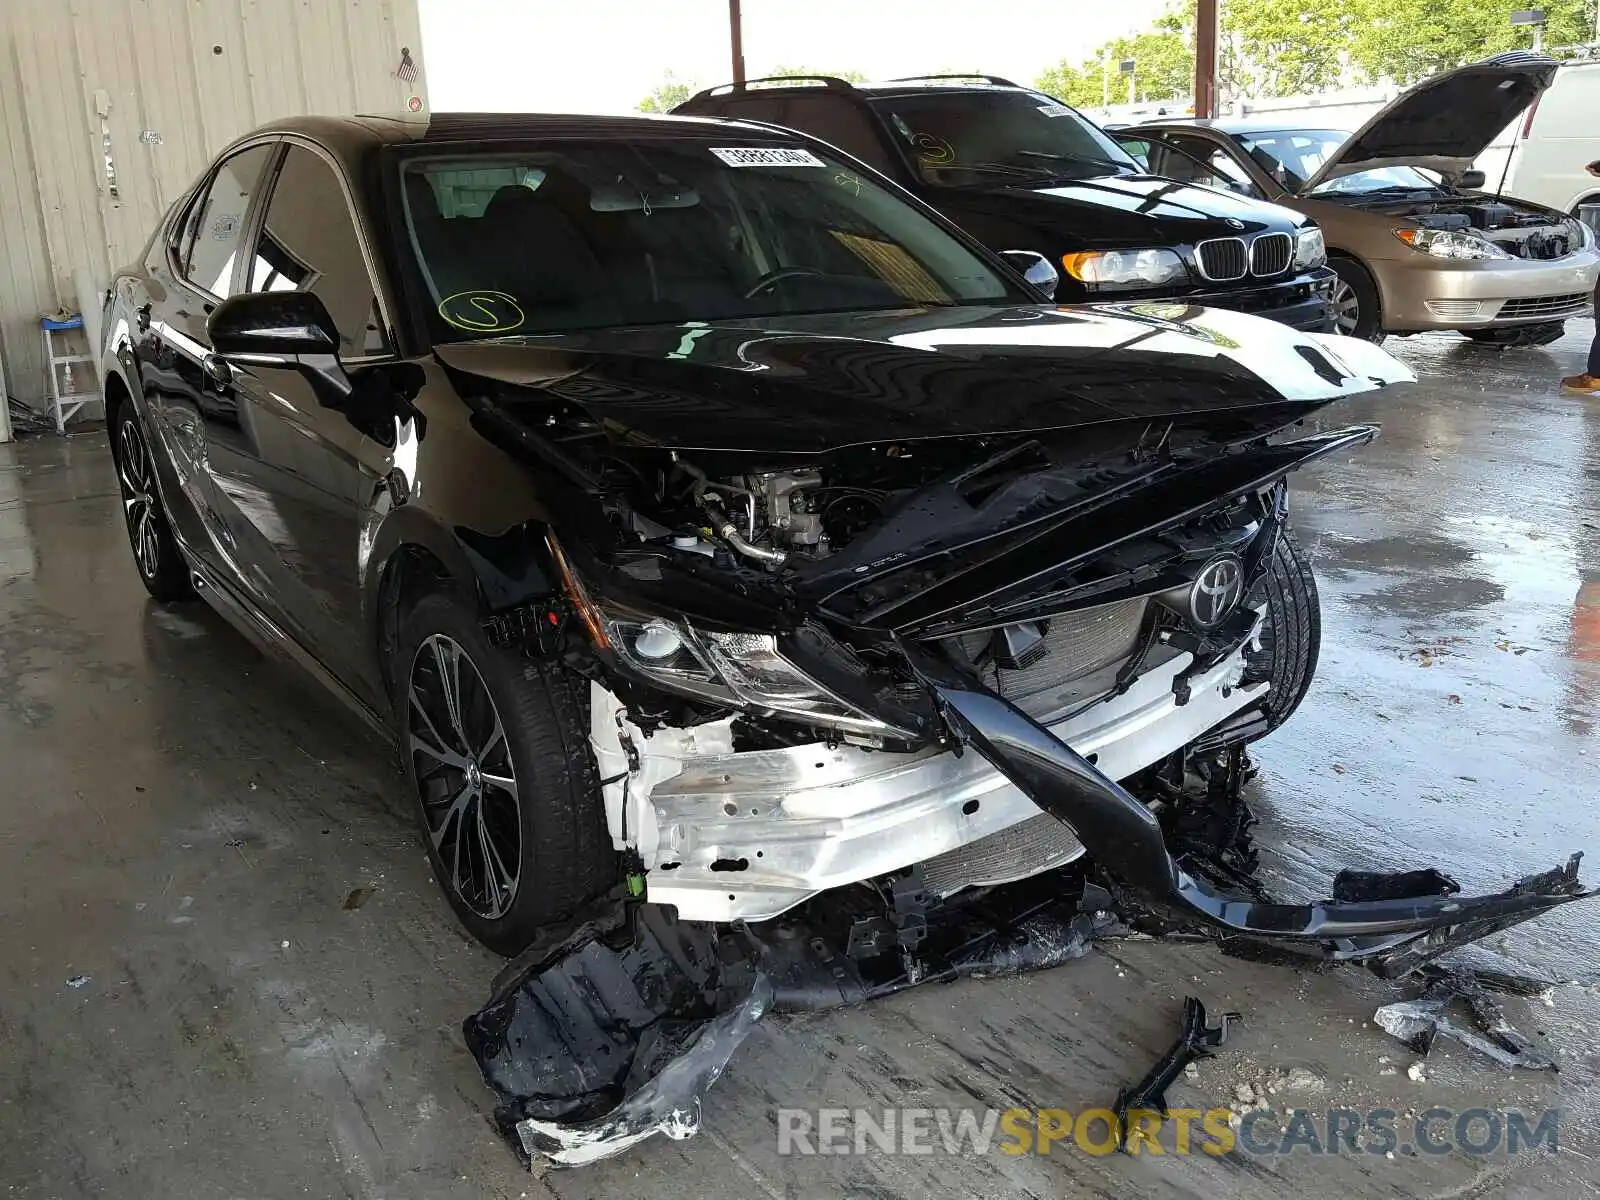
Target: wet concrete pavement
x,y
182,821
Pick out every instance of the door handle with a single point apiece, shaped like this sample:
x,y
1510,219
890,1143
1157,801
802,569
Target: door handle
x,y
217,371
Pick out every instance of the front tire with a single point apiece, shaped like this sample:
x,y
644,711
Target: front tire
x,y
496,752
1519,336
1291,635
1357,307
155,550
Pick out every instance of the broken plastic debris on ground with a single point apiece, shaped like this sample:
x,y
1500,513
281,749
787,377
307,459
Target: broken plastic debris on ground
x,y
614,1027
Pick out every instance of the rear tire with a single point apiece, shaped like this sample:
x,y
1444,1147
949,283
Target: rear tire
x,y
1291,635
1518,336
155,550
1357,307
505,784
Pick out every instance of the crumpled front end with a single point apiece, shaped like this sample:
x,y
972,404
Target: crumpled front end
x,y
727,834
903,710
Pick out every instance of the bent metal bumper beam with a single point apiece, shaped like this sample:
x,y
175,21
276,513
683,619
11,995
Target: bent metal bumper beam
x,y
1392,934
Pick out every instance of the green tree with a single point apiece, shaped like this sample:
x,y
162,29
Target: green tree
x,y
667,94
795,72
1163,60
1409,40
1286,47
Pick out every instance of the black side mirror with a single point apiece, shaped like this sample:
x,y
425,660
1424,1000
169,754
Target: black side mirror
x,y
1472,180
1035,268
282,329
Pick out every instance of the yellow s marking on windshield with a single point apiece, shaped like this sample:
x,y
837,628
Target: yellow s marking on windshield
x,y
482,311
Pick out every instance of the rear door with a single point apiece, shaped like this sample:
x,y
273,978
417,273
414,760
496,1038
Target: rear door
x,y
200,271
300,478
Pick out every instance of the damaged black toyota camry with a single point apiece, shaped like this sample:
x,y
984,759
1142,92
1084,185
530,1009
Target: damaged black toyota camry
x,y
774,599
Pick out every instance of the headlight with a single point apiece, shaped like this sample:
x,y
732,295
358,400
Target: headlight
x,y
1446,243
744,670
1114,270
1309,249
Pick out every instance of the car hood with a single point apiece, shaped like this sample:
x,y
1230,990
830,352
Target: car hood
x,y
1127,210
808,385
1446,122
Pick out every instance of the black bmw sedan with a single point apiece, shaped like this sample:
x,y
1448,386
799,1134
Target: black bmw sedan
x,y
669,488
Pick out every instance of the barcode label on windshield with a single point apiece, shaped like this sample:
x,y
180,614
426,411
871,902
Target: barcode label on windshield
x,y
1054,110
765,156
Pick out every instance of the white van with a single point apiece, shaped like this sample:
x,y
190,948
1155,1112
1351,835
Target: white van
x,y
1556,139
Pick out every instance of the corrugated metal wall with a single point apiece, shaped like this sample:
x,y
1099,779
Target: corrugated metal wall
x,y
160,86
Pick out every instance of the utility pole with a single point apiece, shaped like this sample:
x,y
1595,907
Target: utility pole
x,y
1205,59
736,34
1105,79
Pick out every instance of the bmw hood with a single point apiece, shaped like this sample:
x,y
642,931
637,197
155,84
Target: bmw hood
x,y
804,385
1121,210
1446,122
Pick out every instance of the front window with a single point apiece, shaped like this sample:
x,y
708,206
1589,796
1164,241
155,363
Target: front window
x,y
1292,156
584,235
959,138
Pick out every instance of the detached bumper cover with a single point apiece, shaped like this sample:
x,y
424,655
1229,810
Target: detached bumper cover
x,y
1124,838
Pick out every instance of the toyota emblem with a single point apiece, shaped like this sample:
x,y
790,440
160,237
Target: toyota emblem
x,y
1216,590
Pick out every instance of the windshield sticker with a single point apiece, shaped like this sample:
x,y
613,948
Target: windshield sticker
x,y
765,156
482,312
1055,110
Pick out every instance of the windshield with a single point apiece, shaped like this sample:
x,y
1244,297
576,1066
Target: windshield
x,y
583,235
1292,156
958,138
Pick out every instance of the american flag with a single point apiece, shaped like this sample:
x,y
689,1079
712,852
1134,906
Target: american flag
x,y
407,70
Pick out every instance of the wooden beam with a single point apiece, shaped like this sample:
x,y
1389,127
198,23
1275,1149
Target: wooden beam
x,y
736,34
1205,59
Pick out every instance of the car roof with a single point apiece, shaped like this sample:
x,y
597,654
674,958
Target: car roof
x,y
353,135
922,85
1230,125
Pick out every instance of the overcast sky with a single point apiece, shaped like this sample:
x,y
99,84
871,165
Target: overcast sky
x,y
603,55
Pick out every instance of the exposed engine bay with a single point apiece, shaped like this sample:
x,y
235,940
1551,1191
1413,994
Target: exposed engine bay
x,y
1521,230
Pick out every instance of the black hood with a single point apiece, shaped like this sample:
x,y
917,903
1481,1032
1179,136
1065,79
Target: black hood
x,y
1109,212
809,385
1446,122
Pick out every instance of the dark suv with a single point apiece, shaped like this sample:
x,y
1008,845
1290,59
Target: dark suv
x,y
1022,171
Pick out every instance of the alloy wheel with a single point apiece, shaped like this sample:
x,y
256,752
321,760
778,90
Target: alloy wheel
x,y
136,479
465,777
1346,308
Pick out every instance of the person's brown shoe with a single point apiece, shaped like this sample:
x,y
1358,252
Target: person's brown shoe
x,y
1581,385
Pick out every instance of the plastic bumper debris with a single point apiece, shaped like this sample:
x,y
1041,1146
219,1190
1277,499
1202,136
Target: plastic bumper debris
x,y
1417,1022
1195,1040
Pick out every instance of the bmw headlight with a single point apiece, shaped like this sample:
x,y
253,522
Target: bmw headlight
x,y
743,670
1447,243
1124,270
1309,249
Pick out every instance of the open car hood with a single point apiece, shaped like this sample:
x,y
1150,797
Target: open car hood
x,y
810,385
1446,122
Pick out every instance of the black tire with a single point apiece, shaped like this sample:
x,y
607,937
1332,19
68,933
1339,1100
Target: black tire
x,y
155,550
1358,310
1518,336
1291,636
561,845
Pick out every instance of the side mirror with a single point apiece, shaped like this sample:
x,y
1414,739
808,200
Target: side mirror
x,y
282,329
1035,268
1472,180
